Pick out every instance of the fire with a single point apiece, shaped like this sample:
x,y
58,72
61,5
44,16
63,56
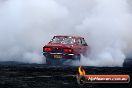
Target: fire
x,y
81,71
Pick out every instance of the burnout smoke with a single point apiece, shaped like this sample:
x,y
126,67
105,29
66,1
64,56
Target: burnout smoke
x,y
108,28
27,25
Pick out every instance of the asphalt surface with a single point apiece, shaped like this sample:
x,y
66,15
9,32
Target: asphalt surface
x,y
20,75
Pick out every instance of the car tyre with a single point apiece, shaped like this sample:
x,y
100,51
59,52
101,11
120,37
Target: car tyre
x,y
48,62
77,57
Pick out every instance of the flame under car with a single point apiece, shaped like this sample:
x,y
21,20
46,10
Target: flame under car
x,y
63,48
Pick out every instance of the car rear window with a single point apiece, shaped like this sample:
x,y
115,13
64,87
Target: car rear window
x,y
63,40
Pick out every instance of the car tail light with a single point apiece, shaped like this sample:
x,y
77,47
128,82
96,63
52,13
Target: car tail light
x,y
68,50
47,49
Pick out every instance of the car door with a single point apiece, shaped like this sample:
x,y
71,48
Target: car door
x,y
78,46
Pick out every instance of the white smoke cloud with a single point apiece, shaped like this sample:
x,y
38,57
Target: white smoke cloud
x,y
27,25
108,28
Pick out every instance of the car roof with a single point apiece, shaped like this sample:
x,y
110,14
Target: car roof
x,y
68,36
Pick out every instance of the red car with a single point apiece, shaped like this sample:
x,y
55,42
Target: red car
x,y
62,48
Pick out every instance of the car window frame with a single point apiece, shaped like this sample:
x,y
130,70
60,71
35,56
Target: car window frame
x,y
83,42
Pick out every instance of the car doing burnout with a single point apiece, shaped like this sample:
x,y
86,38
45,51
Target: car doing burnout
x,y
62,48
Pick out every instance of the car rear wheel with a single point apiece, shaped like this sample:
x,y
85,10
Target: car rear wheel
x,y
48,62
76,60
77,57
